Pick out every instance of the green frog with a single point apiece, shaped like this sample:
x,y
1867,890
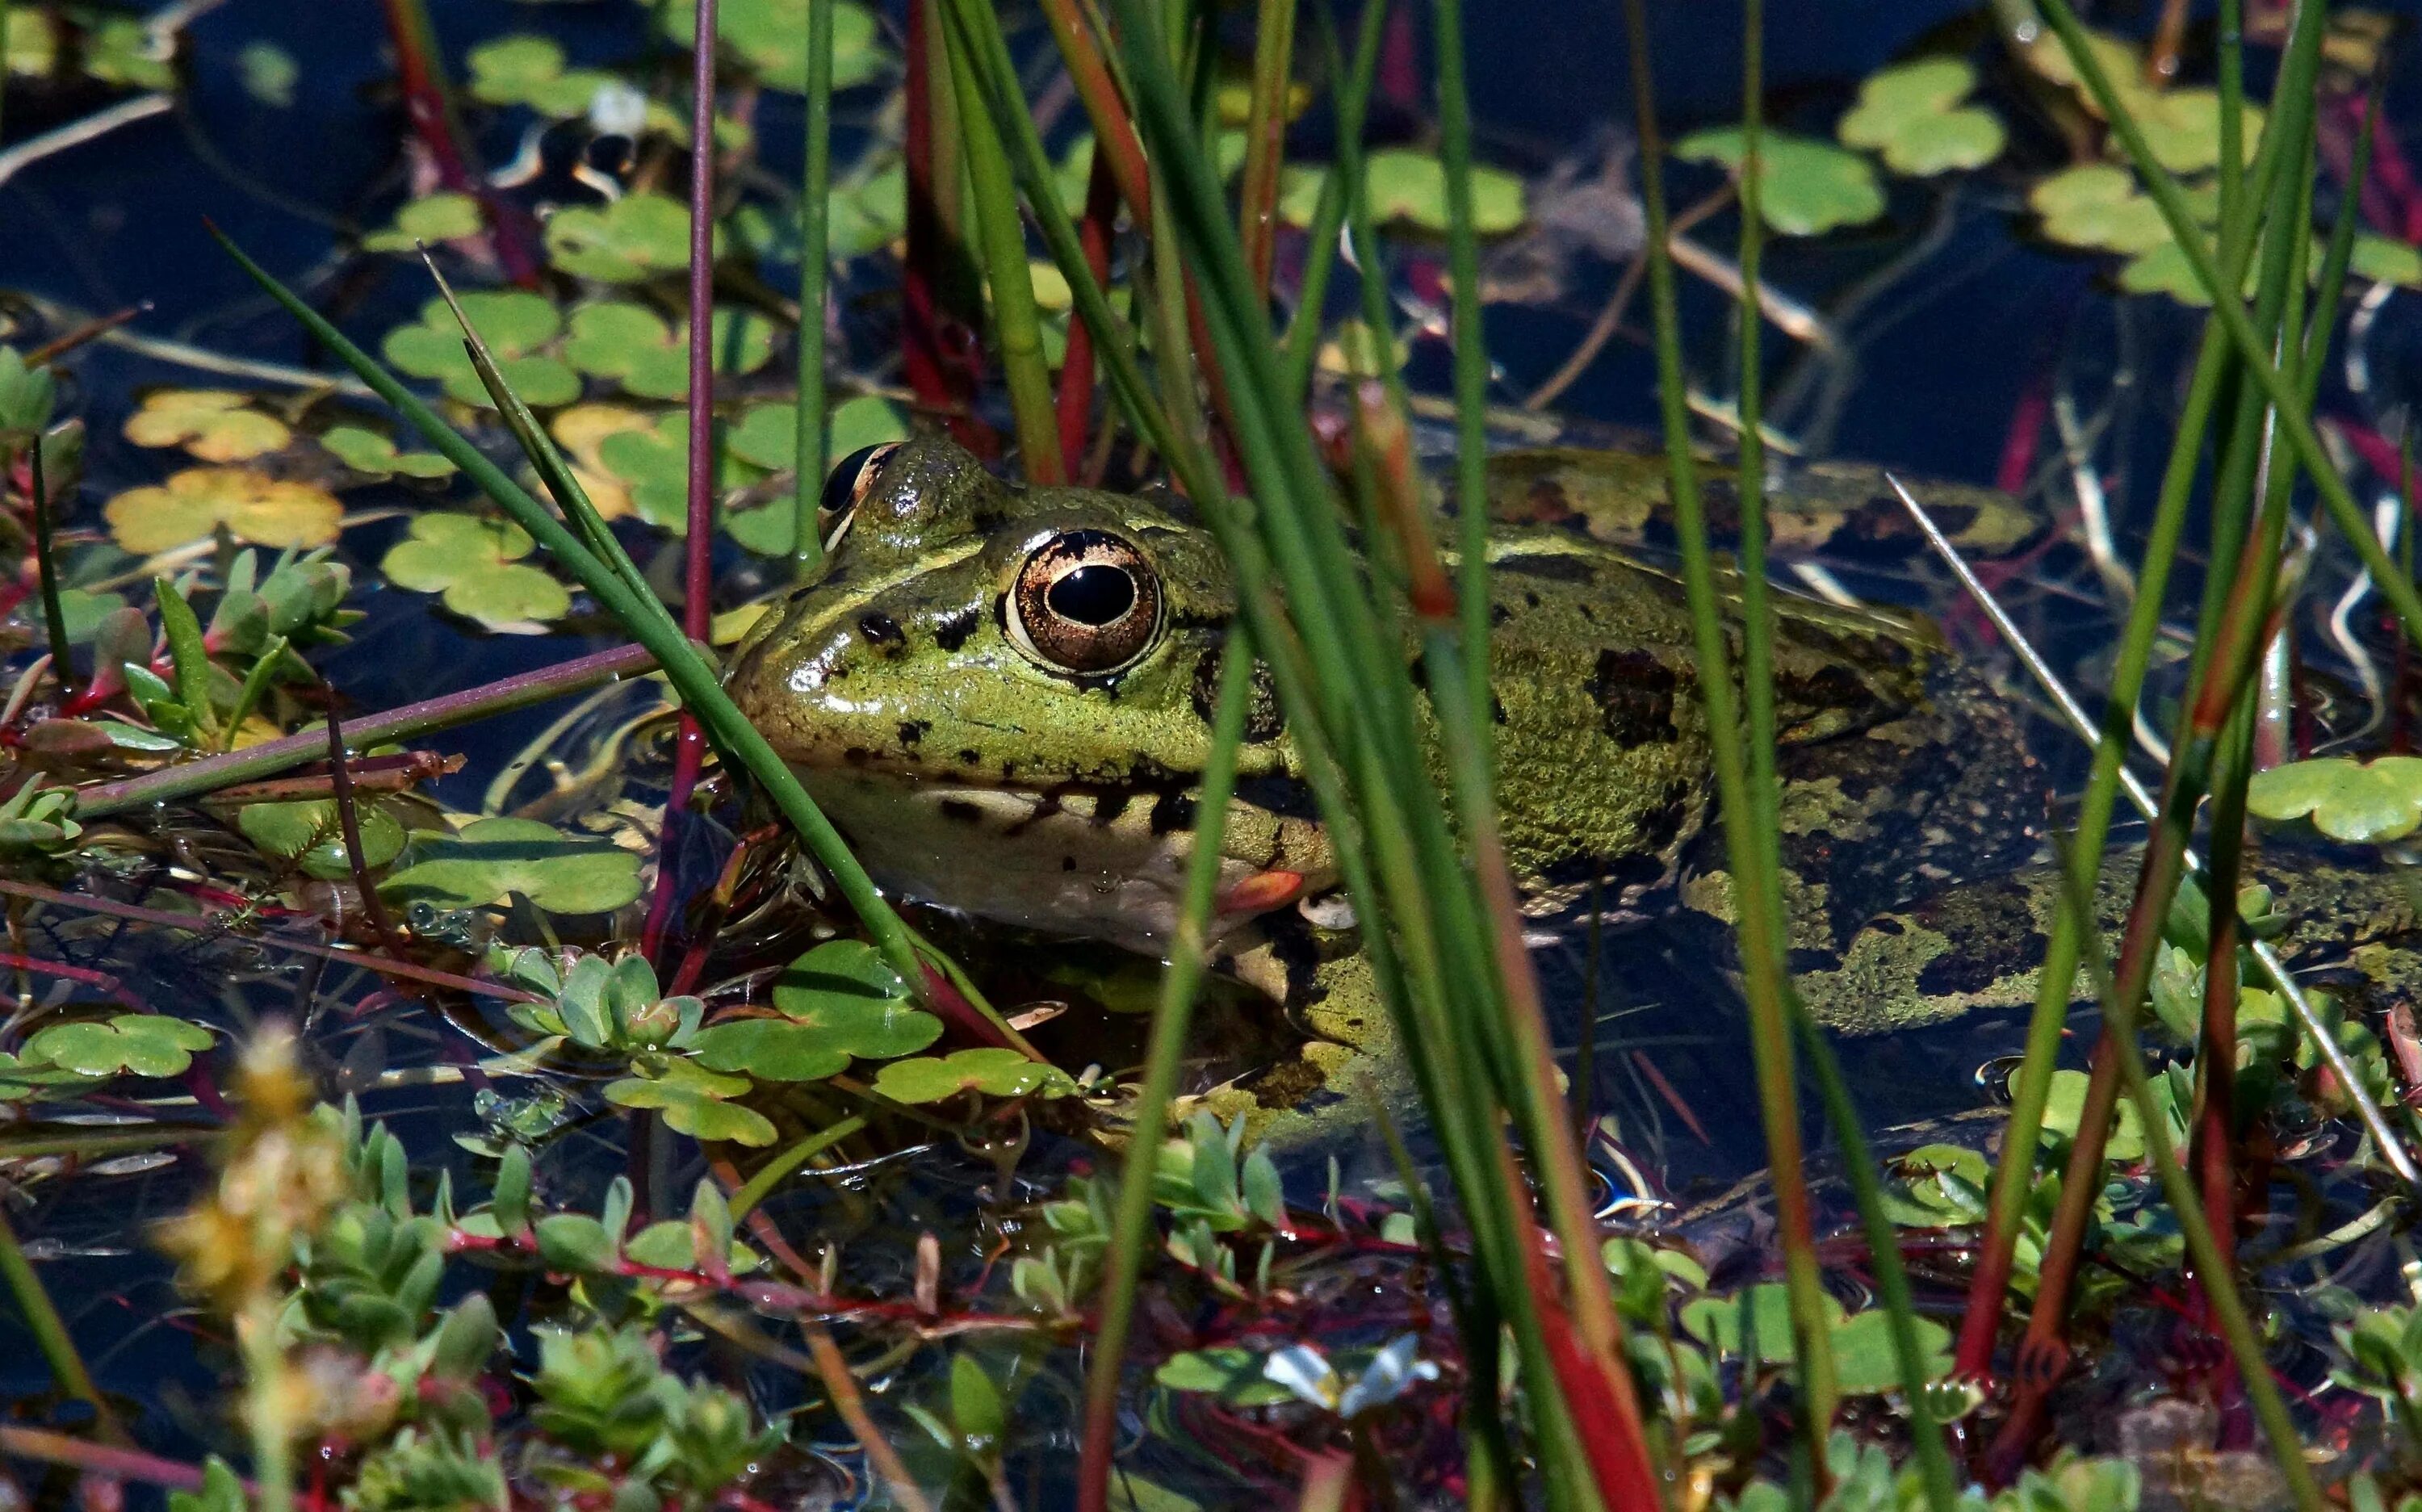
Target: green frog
x,y
1004,695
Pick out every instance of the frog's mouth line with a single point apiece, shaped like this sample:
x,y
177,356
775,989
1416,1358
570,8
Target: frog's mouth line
x,y
1099,863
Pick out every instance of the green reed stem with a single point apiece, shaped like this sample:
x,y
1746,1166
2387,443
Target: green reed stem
x,y
1266,124
2230,309
1131,1225
50,1331
255,687
1351,91
815,269
55,620
268,1403
694,682
769,1175
2014,1172
2203,1249
1017,324
1471,359
1756,888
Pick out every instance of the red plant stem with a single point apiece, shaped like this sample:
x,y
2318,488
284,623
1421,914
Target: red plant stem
x,y
381,965
101,1459
698,558
349,825
192,778
430,111
1077,370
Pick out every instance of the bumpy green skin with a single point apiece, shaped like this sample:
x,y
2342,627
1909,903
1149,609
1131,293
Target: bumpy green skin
x,y
973,774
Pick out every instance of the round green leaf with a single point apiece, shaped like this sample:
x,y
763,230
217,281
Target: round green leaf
x,y
632,346
771,36
691,1111
366,451
475,564
312,831
770,1050
843,990
1865,1361
634,238
998,1073
148,1045
2363,801
2095,205
214,424
1809,187
254,506
493,856
653,463
514,323
1911,114
439,218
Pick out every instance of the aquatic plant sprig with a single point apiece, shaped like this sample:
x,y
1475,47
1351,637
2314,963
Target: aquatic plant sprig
x,y
814,433
684,667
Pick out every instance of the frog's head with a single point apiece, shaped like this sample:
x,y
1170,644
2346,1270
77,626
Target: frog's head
x,y
1005,693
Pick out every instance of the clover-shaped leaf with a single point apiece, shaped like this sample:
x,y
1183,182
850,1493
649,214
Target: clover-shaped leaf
x,y
2182,128
851,997
1808,187
581,430
490,858
2097,205
770,36
633,345
692,1102
214,424
1717,1321
477,566
654,464
1408,188
312,832
771,1049
530,70
2365,801
514,323
148,1045
1913,115
636,237
444,217
367,452
1865,1362
996,1072
253,506
1231,1371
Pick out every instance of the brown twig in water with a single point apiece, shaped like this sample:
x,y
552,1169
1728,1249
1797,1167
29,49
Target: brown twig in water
x,y
1609,319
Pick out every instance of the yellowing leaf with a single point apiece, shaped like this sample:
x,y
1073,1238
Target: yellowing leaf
x,y
214,424
254,506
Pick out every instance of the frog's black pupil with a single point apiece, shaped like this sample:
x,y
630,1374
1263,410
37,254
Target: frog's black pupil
x,y
841,487
1092,594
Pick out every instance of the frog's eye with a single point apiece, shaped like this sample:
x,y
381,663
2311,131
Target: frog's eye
x,y
1086,601
853,479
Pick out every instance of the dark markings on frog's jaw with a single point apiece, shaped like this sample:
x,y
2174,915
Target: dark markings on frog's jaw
x,y
1107,806
1557,566
1288,797
959,810
1634,691
1172,810
913,731
971,758
953,631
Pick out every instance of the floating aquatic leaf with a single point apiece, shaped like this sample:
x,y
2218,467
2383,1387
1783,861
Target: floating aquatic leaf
x,y
1912,114
671,1245
634,238
514,323
214,424
28,394
1808,188
28,42
374,455
443,216
1864,1357
633,345
254,506
771,1049
580,431
148,1045
1718,1322
2385,260
654,464
477,564
490,858
771,36
1409,188
2066,1103
1232,1373
311,833
2097,205
846,993
998,1073
692,1102
2364,801
2182,128
530,70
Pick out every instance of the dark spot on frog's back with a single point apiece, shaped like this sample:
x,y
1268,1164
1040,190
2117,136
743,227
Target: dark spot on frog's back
x,y
1992,932
883,630
952,633
1557,566
913,731
1634,691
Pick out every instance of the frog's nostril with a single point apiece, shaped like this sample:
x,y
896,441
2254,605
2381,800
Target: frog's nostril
x,y
1094,595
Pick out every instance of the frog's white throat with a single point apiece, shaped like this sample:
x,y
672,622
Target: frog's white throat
x,y
1096,863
